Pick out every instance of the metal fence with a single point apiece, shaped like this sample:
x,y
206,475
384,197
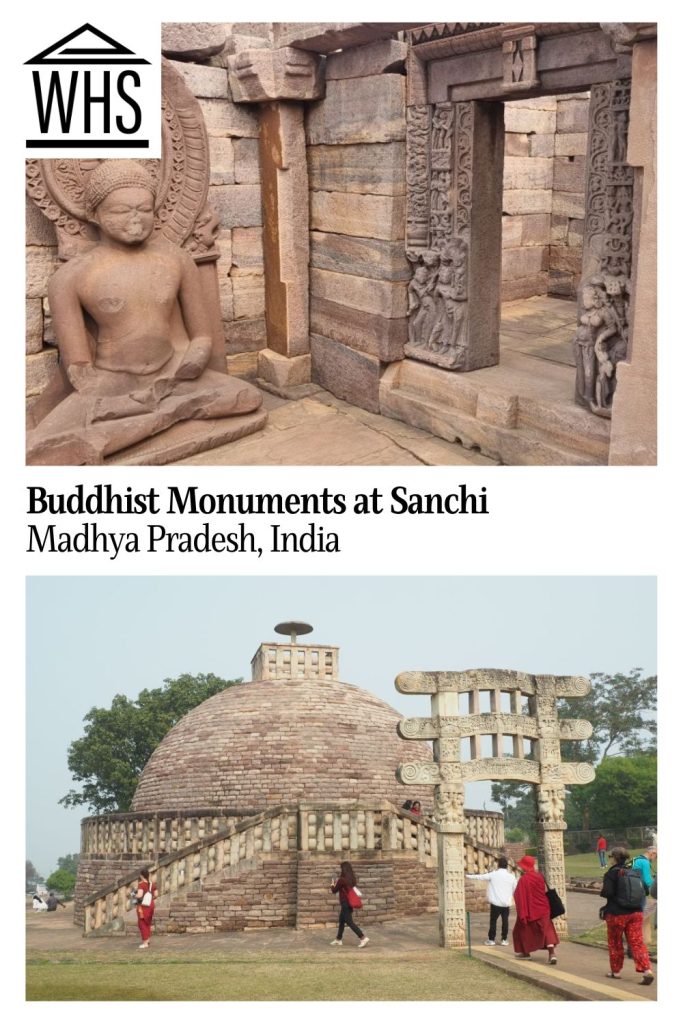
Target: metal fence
x,y
584,841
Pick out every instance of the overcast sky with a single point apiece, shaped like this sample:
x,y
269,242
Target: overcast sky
x,y
90,638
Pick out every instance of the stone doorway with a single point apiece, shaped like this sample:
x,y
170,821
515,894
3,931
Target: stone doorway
x,y
544,177
462,88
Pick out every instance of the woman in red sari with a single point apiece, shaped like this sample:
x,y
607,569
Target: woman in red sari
x,y
145,895
533,928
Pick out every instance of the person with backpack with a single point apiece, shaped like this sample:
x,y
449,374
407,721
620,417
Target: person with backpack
x,y
624,890
349,900
643,863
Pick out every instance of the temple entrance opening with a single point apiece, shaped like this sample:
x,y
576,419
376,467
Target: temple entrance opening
x,y
544,173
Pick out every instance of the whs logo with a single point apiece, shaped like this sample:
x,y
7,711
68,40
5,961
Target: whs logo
x,y
91,93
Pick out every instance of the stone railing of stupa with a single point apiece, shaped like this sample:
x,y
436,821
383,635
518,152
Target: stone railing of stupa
x,y
147,836
308,827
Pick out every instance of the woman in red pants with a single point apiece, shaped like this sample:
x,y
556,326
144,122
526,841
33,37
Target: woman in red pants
x,y
146,895
623,920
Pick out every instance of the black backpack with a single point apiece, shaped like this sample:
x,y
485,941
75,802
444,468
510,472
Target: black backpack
x,y
630,888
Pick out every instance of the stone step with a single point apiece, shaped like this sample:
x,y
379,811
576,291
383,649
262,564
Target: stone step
x,y
497,410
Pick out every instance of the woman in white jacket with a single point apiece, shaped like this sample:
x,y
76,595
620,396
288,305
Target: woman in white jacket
x,y
500,893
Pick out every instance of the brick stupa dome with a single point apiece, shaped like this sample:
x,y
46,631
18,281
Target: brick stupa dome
x,y
295,733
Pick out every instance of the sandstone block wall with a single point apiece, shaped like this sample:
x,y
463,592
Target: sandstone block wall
x,y
568,209
392,886
543,195
235,195
527,196
95,873
358,278
262,895
283,890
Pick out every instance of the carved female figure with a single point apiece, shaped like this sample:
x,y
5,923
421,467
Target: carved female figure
x,y
450,308
590,319
421,305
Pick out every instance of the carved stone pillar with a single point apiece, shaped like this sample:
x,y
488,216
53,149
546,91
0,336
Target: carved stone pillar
x,y
280,81
602,337
633,439
550,793
451,880
453,236
449,815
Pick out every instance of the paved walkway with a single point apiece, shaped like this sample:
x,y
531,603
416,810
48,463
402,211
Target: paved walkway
x,y
321,430
579,974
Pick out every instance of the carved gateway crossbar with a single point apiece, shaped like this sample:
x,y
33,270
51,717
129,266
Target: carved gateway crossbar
x,y
459,76
447,727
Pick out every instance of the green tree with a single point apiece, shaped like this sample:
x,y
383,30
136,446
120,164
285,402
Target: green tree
x,y
69,863
32,875
118,741
621,709
61,881
624,793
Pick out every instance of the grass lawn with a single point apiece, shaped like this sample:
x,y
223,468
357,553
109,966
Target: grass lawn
x,y
441,974
587,865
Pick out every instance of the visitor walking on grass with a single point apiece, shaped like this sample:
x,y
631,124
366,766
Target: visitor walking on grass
x,y
624,891
534,928
145,895
499,892
349,899
602,850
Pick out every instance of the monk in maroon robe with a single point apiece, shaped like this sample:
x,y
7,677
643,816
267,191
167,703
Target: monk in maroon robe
x,y
533,929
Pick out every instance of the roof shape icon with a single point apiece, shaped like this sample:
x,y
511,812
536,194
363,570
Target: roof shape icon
x,y
88,49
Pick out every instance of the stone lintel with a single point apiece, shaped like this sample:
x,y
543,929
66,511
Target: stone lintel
x,y
564,62
626,33
192,40
328,37
257,76
490,679
377,58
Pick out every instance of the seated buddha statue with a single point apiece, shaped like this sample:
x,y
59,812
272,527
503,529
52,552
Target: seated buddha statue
x,y
133,333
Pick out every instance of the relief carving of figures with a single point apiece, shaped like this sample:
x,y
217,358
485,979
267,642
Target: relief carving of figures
x,y
550,804
449,806
601,339
439,172
417,175
437,307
